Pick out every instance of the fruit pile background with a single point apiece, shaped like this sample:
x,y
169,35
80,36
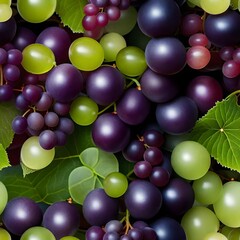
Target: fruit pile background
x,y
119,120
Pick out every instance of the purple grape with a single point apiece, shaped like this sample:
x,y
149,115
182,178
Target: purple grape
x,y
110,133
142,169
99,208
11,73
6,92
20,214
64,82
125,237
3,56
14,57
111,236
153,138
99,3
150,233
62,219
94,233
102,19
114,225
159,176
29,78
51,119
65,125
7,30
61,109
114,2
44,103
124,4
153,155
22,103
61,138
134,151
140,224
19,124
90,9
101,87
113,13
47,139
136,234
143,199
32,93
89,22
35,121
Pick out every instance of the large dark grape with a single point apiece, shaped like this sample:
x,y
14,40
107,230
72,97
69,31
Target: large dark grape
x,y
223,29
165,55
20,214
133,107
105,85
168,229
143,199
134,151
99,208
64,82
155,18
8,30
110,133
177,116
62,219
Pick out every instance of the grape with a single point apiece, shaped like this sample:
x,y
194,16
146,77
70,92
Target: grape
x,y
51,119
61,138
102,20
199,221
4,235
14,57
215,7
142,169
114,225
11,73
20,214
61,109
44,103
111,236
115,184
159,176
191,24
226,53
142,199
113,13
8,30
149,233
32,93
4,197
99,3
19,124
6,92
153,138
37,233
190,160
34,156
125,237
69,238
66,125
3,56
131,61
154,23
198,39
35,121
99,208
60,81
21,102
230,69
89,22
136,234
47,139
37,11
37,58
5,12
153,155
215,236
61,218
134,151
86,54
94,233
90,9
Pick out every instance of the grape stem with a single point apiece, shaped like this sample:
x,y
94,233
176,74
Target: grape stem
x,y
107,107
1,75
127,221
133,80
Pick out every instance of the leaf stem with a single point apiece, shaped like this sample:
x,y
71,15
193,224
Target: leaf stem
x,y
233,93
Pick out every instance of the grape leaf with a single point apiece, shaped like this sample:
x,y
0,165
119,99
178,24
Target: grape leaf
x,y
8,113
219,132
97,164
71,13
4,162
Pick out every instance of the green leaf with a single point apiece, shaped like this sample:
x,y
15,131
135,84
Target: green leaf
x,y
8,113
97,164
219,132
71,13
4,162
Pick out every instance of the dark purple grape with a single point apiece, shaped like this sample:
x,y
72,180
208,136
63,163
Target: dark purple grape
x,y
58,40
100,3
168,229
125,237
62,219
61,138
19,124
140,224
155,18
153,155
142,169
65,125
159,176
6,92
99,208
150,233
32,93
44,103
136,234
3,56
11,73
153,138
165,55
14,57
35,121
177,116
178,196
101,87
114,2
62,109
64,82
133,107
114,225
29,78
143,199
20,214
124,4
7,30
22,103
51,119
47,139
222,29
231,84
158,88
110,133
111,236
94,233
134,151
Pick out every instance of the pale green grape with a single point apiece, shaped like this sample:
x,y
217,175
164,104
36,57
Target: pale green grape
x,y
115,184
226,231
34,156
83,111
208,188
8,2
5,12
215,6
198,221
112,43
234,234
37,233
190,160
4,235
86,54
227,207
131,61
215,236
69,238
36,11
37,58
3,197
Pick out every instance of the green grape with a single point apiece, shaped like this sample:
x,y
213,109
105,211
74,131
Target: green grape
x,y
227,207
86,54
115,184
226,231
215,6
34,156
194,2
234,234
36,11
198,221
208,188
83,111
3,198
131,61
125,23
69,238
112,43
37,233
8,2
190,160
215,236
5,12
37,58
4,235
